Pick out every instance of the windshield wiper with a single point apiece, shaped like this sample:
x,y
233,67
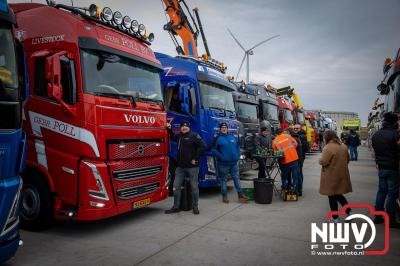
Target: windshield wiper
x,y
143,99
118,96
218,109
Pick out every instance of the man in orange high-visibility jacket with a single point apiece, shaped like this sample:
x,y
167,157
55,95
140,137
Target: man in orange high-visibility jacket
x,y
289,163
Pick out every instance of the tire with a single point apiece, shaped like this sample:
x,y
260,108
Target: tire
x,y
36,204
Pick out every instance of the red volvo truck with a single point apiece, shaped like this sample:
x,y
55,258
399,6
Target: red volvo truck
x,y
95,120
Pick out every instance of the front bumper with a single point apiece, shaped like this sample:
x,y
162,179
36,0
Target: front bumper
x,y
8,248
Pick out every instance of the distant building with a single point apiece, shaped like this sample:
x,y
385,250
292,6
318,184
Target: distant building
x,y
338,116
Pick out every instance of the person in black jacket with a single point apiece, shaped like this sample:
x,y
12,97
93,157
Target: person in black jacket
x,y
263,141
300,134
353,141
385,143
190,147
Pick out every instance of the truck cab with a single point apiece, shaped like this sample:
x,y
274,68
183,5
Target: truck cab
x,y
268,108
285,113
95,120
13,91
246,99
390,85
198,92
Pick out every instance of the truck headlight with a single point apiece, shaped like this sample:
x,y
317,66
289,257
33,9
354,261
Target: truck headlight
x,y
210,164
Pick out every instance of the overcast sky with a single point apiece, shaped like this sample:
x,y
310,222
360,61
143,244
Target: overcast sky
x,y
331,52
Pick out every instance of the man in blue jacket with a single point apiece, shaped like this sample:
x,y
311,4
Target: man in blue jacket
x,y
226,150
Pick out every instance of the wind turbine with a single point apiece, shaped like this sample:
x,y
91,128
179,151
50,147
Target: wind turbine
x,y
247,53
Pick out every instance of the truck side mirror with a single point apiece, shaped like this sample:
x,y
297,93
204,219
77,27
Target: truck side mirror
x,y
53,75
184,98
23,70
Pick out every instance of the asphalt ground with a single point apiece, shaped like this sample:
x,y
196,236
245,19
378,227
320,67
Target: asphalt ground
x,y
223,234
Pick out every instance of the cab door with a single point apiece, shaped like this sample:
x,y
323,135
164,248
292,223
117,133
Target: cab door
x,y
181,104
52,115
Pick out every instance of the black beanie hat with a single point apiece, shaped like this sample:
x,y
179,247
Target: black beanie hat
x,y
390,118
223,124
185,123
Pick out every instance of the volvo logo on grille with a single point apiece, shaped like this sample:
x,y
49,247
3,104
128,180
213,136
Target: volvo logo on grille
x,y
140,149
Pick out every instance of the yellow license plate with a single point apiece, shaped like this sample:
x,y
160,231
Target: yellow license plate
x,y
141,203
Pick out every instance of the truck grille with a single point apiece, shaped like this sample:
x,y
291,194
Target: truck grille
x,y
138,173
126,149
136,191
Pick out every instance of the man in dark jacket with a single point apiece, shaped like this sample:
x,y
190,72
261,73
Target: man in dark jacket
x,y
190,147
353,141
300,135
386,147
263,141
225,148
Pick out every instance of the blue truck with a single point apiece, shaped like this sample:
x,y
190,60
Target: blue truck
x,y
198,91
13,91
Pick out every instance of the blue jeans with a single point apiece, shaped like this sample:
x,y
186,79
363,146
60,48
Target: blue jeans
x,y
301,176
353,152
290,175
180,175
233,170
388,186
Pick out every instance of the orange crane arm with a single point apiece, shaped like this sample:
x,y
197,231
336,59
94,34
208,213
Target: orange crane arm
x,y
180,25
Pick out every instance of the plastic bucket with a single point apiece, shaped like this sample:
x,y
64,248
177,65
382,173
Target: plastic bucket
x,y
263,190
186,196
249,192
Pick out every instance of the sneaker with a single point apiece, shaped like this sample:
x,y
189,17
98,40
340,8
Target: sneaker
x,y
347,215
243,198
172,210
334,220
196,210
225,200
378,220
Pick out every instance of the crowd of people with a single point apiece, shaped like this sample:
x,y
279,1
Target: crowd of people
x,y
225,148
292,144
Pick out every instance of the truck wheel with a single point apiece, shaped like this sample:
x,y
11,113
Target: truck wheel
x,y
36,205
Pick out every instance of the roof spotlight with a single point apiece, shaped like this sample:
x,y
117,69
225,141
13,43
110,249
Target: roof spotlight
x,y
142,30
94,11
126,22
151,37
117,17
134,25
107,14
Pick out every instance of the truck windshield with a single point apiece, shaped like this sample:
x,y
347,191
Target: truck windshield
x,y
216,96
8,67
246,110
300,117
288,116
270,111
108,74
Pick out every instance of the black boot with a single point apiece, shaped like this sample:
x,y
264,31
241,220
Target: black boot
x,y
172,210
379,219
